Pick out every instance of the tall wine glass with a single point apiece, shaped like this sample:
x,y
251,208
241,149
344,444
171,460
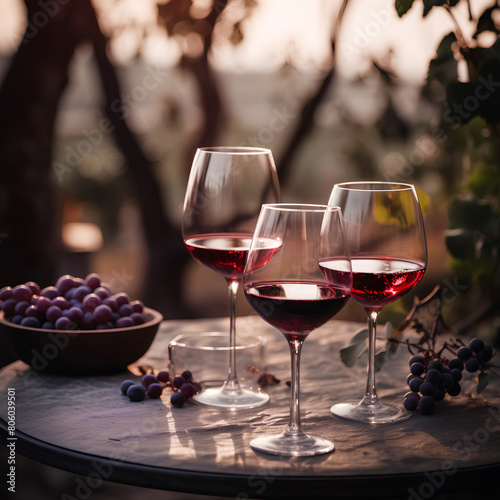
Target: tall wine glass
x,y
385,233
287,287
226,189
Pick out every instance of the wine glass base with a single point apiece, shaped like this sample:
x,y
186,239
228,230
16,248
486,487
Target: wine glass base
x,y
376,413
289,445
223,398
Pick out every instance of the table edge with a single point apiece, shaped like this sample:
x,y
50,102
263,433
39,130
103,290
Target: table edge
x,y
265,486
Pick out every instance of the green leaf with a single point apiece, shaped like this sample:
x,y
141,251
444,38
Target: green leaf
x,y
350,352
482,382
468,213
484,180
403,6
444,66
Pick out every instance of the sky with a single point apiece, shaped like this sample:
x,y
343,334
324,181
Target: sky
x,y
281,29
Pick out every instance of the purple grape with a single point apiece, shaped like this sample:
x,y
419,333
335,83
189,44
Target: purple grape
x,y
433,376
9,306
93,281
75,303
17,319
69,294
103,292
472,365
137,318
410,401
53,313
30,322
34,299
154,390
434,365
21,293
34,287
102,313
48,325
60,302
21,307
125,385
426,389
6,293
124,322
439,394
121,298
415,384
455,389
178,381
81,292
456,374
136,392
75,314
110,303
447,380
418,358
115,317
476,345
43,303
187,375
148,379
63,323
187,390
125,310
32,311
485,353
104,326
91,301
65,283
137,306
426,405
417,368
456,363
88,320
79,281
177,399
163,376
464,353
50,291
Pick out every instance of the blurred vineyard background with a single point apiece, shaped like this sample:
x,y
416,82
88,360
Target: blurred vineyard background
x,y
337,90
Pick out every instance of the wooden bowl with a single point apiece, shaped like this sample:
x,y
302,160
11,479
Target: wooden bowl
x,y
81,352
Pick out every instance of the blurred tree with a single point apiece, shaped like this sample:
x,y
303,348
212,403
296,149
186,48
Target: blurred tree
x,y
29,99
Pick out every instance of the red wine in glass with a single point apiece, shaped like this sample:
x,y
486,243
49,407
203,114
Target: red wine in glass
x,y
226,253
296,308
377,281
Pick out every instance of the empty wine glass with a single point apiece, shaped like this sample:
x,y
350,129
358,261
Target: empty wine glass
x,y
386,237
226,189
287,287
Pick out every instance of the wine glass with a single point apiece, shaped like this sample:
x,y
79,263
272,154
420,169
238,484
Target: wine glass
x,y
226,189
289,289
385,233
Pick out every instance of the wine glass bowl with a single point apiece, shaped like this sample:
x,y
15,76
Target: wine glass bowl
x,y
226,189
288,288
385,233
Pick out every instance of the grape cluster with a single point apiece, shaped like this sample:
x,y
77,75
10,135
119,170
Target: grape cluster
x,y
430,379
184,387
72,303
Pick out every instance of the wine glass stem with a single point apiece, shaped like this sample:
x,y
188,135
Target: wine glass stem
x,y
371,392
232,384
294,427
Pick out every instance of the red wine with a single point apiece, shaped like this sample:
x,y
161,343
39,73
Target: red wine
x,y
296,308
377,281
226,253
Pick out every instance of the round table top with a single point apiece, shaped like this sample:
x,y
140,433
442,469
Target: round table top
x,y
85,425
